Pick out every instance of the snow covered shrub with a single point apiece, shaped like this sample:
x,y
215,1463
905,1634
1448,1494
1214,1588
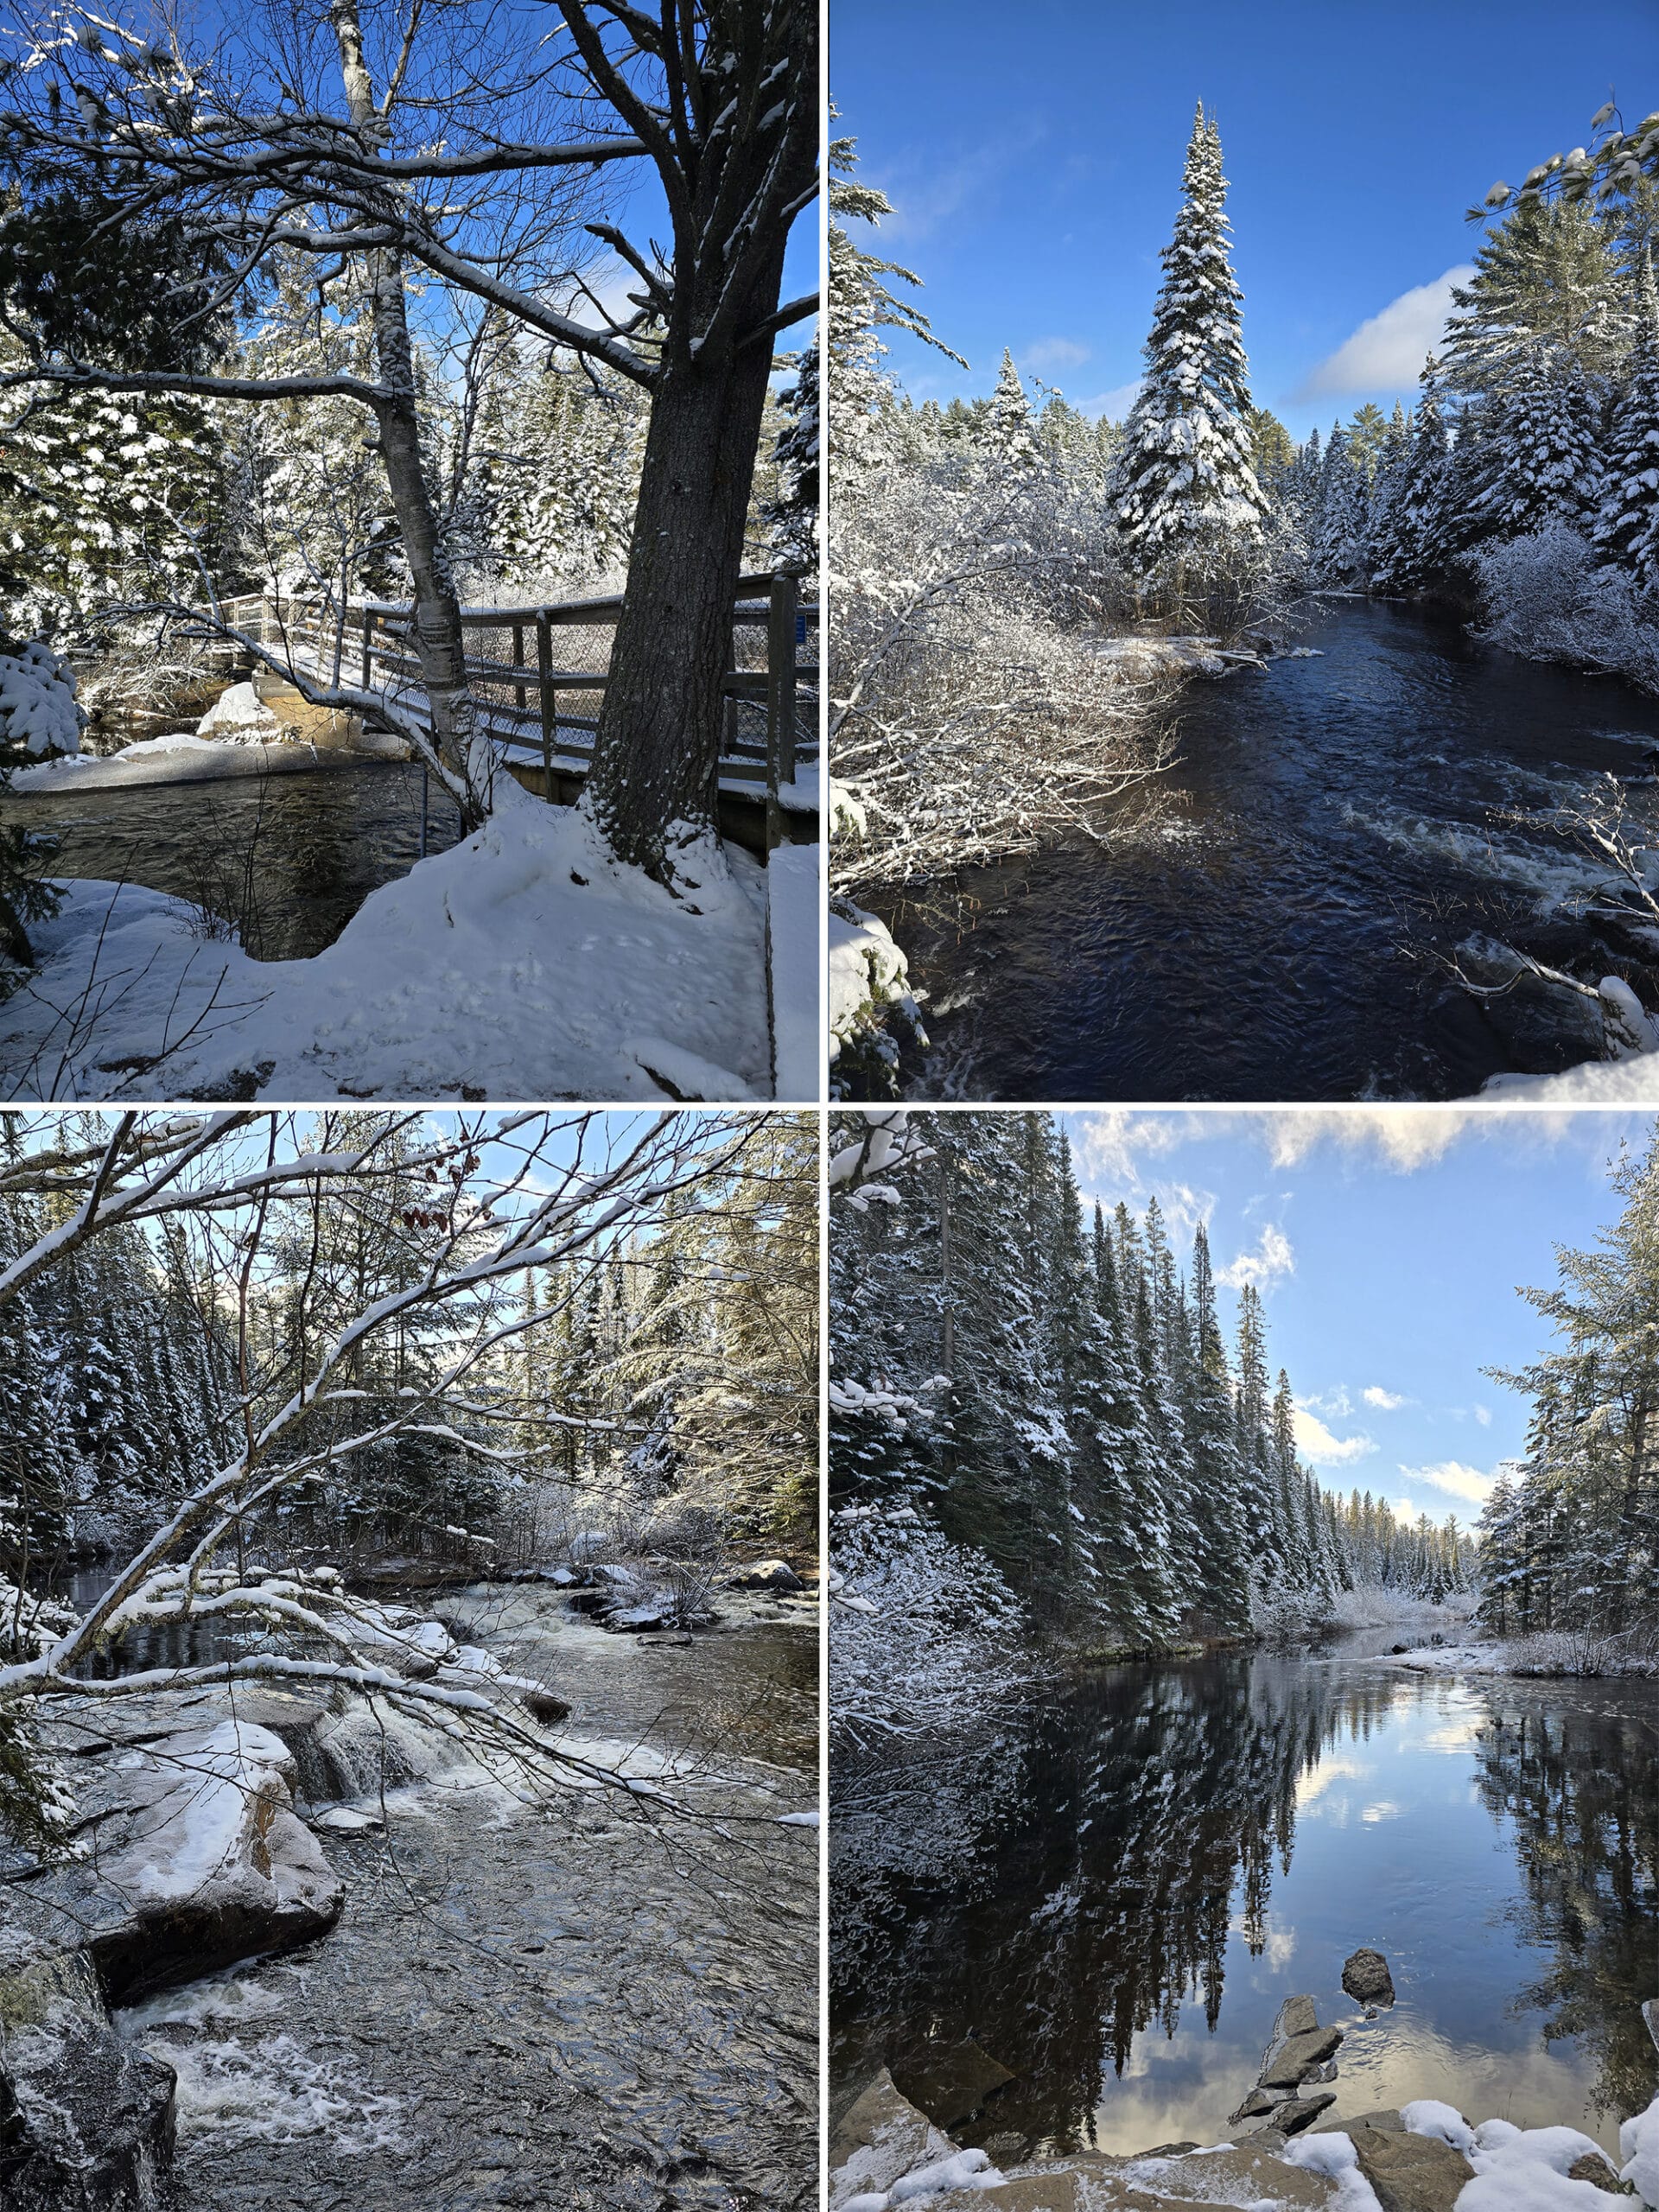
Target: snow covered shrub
x,y
922,1633
872,1010
1580,1652
38,710
1547,597
38,714
969,721
1379,1605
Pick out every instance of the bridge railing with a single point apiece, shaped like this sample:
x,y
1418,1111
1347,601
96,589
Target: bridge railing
x,y
538,673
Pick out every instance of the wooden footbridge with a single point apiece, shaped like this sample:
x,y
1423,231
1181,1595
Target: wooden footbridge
x,y
537,675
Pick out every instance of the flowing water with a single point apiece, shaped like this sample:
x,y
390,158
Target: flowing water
x,y
541,2004
288,857
1246,942
1113,1898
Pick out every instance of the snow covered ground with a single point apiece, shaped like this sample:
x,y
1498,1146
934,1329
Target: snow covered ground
x,y
1632,1082
523,963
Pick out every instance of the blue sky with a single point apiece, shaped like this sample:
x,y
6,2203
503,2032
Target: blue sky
x,y
1387,1243
1034,157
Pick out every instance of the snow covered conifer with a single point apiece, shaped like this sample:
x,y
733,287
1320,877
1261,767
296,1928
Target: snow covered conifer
x,y
1336,556
1184,479
1627,526
1417,543
1541,462
1007,434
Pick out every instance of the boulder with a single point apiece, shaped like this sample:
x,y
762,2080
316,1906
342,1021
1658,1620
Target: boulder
x,y
882,2137
1291,2061
766,1574
201,1860
1257,2106
542,1706
240,716
1366,1978
87,2121
1409,2173
950,2085
1300,2113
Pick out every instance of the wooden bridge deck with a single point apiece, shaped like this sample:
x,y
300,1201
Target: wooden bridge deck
x,y
543,712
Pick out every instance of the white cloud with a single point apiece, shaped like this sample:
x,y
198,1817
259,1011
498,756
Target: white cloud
x,y
1387,353
1386,1401
1110,1142
1337,1402
1272,1256
1455,1479
1405,1137
1114,404
1483,1416
1053,354
1315,1442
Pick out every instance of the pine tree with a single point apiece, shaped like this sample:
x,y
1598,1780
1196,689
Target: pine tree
x,y
1540,461
1337,539
1184,478
1627,526
1006,433
1418,545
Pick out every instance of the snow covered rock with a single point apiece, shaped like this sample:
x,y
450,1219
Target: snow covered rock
x,y
766,1574
87,2120
38,713
240,716
200,1859
882,2138
1408,2172
868,983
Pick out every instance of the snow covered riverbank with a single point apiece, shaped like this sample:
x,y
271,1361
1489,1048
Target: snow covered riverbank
x,y
525,962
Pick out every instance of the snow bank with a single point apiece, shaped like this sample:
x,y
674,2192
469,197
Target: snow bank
x,y
38,712
1638,2146
178,756
792,886
962,2170
525,962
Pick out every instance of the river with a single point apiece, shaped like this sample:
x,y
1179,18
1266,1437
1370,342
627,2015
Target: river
x,y
1245,942
288,858
543,2005
1112,1897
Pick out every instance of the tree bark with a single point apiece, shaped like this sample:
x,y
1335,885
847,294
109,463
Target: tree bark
x,y
656,751
439,641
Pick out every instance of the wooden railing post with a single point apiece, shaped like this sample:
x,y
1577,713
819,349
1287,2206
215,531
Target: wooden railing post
x,y
518,690
783,602
544,686
368,645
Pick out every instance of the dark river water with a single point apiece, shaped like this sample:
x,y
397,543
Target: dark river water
x,y
1246,943
288,858
550,2004
1114,1899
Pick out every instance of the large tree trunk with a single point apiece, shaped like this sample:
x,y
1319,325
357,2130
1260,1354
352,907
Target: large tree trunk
x,y
657,753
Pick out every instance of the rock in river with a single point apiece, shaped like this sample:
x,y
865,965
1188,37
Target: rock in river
x,y
200,1859
1290,2062
1366,1980
85,2120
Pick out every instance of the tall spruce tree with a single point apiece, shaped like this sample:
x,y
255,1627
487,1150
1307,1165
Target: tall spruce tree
x,y
1185,480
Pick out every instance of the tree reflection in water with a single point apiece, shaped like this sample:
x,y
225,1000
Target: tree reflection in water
x,y
1060,1889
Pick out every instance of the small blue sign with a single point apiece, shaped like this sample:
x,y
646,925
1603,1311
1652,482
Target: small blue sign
x,y
800,629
